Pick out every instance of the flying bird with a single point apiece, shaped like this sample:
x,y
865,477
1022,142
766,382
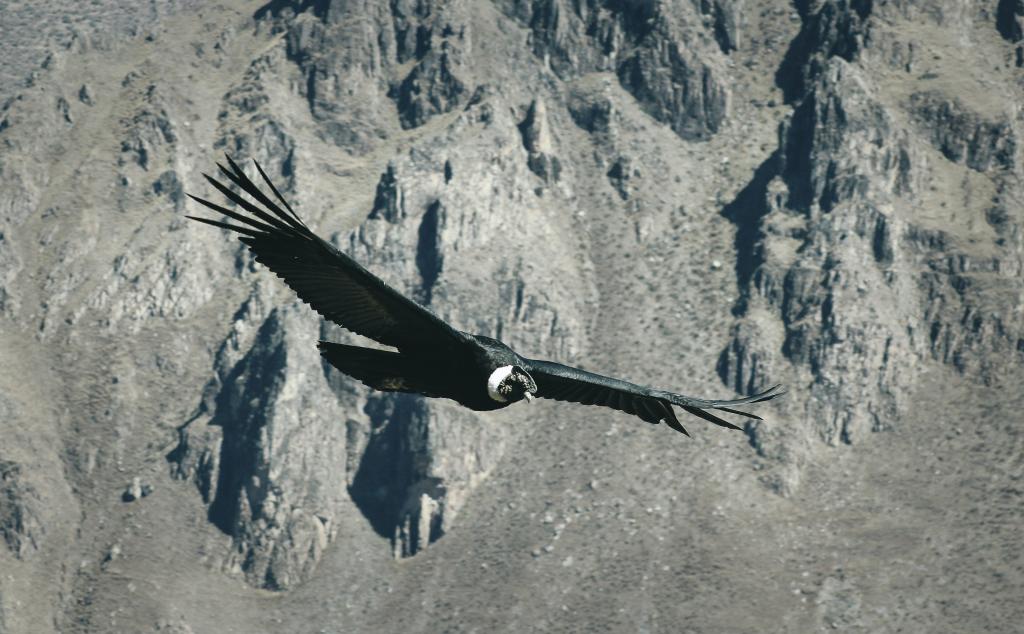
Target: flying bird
x,y
431,357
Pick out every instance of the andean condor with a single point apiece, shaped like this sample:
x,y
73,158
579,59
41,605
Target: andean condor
x,y
431,358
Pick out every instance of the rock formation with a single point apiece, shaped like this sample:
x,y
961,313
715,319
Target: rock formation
x,y
705,195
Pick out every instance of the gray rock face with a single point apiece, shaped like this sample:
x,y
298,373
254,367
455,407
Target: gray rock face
x,y
137,290
537,141
842,186
433,86
413,53
962,136
10,264
674,85
662,54
33,32
835,28
827,195
421,458
20,523
840,165
149,130
409,463
1010,20
263,444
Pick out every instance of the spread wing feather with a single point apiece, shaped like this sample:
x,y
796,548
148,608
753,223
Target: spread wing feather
x,y
332,283
564,383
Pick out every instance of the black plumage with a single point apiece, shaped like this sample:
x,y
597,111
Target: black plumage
x,y
431,358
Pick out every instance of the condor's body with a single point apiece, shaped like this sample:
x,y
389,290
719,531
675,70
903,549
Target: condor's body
x,y
460,373
431,358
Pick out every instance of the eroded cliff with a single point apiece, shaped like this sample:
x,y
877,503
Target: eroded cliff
x,y
827,194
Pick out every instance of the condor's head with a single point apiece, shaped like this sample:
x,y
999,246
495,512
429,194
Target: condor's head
x,y
509,384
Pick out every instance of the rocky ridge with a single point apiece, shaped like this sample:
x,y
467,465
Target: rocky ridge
x,y
829,219
588,181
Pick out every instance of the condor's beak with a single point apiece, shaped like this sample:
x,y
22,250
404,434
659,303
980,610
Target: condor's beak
x,y
529,397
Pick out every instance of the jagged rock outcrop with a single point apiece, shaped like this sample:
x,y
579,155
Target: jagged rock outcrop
x,y
263,447
1010,20
421,458
20,524
662,53
834,28
10,264
168,184
674,85
551,173
23,189
433,86
963,136
832,218
537,141
592,110
149,130
726,18
827,200
621,175
437,37
137,289
339,57
837,133
400,58
411,462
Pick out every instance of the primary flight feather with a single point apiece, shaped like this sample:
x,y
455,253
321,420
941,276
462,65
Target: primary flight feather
x,y
432,357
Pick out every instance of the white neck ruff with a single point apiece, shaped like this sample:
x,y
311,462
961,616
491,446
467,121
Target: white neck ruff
x,y
495,380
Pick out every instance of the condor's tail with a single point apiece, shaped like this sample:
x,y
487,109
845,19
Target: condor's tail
x,y
379,369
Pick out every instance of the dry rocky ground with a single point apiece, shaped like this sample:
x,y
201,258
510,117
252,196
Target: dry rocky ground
x,y
709,196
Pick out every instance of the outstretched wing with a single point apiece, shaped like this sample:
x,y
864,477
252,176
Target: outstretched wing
x,y
332,283
563,383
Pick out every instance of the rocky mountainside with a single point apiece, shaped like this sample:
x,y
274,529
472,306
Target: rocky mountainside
x,y
708,196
